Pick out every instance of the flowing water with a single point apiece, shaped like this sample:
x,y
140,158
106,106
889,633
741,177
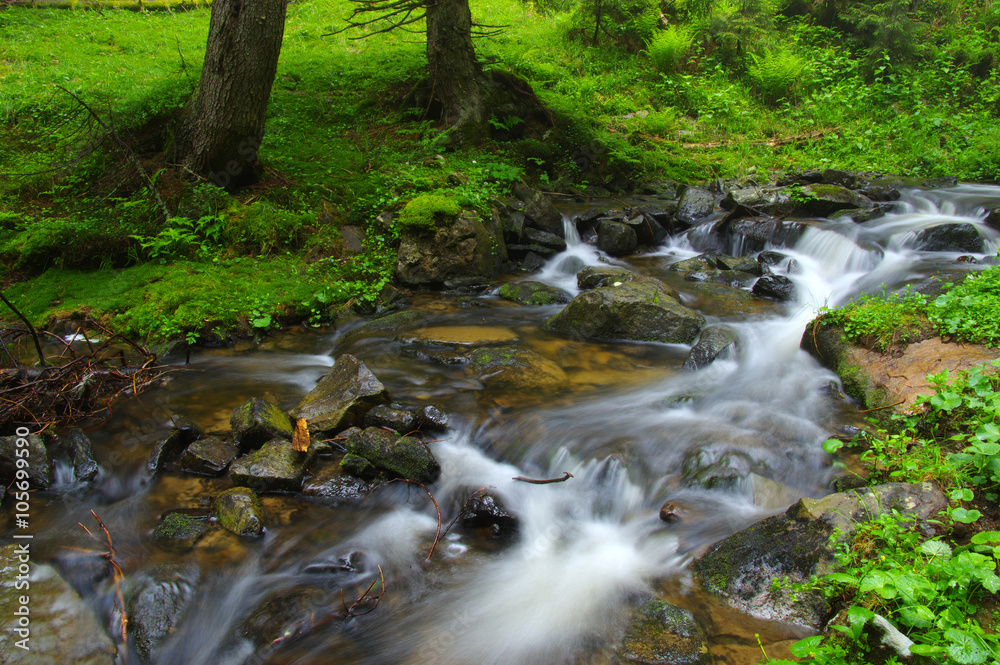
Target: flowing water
x,y
632,426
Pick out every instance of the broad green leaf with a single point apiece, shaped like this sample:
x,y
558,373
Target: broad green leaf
x,y
962,494
946,401
926,649
988,432
802,648
966,648
919,616
841,578
965,516
935,549
859,615
832,445
986,448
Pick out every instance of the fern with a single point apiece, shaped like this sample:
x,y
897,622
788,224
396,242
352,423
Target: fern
x,y
669,48
776,74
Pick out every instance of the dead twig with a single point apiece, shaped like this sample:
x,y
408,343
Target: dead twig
x,y
118,576
566,476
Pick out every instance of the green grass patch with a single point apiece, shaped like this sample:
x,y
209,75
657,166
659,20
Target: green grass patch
x,y
882,321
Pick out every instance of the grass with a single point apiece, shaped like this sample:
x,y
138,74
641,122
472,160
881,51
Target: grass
x,y
341,145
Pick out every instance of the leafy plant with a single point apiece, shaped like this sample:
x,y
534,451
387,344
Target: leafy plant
x,y
970,310
880,321
776,74
668,49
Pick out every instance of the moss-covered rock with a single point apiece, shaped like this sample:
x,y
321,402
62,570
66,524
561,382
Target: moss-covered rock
x,y
276,467
533,293
342,397
593,277
797,544
401,456
358,466
257,421
465,248
239,511
179,531
827,344
515,368
822,200
640,311
661,634
39,461
427,213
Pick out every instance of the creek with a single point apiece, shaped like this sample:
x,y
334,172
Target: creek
x,y
727,444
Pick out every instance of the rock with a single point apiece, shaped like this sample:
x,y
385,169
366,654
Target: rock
x,y
394,322
275,467
822,200
772,259
62,628
515,368
336,487
778,287
432,419
993,218
238,510
156,600
735,278
713,340
78,449
39,469
179,531
728,302
463,248
756,201
839,177
616,239
752,234
523,192
710,261
797,544
532,261
386,417
542,214
950,238
861,215
486,514
533,293
661,634
881,193
648,230
593,277
694,205
570,265
717,466
256,421
401,456
358,467
342,397
640,311
210,456
770,494
545,239
288,612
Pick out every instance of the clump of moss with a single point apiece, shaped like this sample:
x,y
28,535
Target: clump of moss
x,y
427,213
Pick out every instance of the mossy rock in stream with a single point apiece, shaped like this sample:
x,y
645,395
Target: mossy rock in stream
x,y
639,311
342,397
661,634
239,511
276,467
257,421
515,368
400,456
533,293
179,531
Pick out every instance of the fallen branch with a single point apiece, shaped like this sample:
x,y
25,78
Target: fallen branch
x,y
566,476
117,574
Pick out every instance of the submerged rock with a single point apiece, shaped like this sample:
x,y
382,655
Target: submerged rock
x,y
156,600
797,545
401,456
533,293
257,421
778,287
640,311
80,453
662,634
179,531
386,417
515,367
593,277
342,397
951,238
486,515
63,628
276,467
39,467
335,486
239,511
713,340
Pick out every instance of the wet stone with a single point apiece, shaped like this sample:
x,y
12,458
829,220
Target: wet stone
x,y
533,293
695,204
156,600
336,486
39,462
514,367
342,397
358,466
616,239
950,238
239,511
661,634
432,419
80,453
486,515
550,240
387,417
210,456
257,421
713,340
276,467
778,287
400,456
593,277
179,531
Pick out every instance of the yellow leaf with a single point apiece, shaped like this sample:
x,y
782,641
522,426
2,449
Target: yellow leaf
x,y
300,440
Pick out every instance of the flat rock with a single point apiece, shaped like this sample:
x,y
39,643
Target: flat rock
x,y
276,467
342,397
462,335
515,367
401,456
533,293
662,634
210,456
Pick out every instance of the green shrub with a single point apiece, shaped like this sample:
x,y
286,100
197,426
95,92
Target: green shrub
x,y
776,74
263,228
426,213
880,321
669,48
57,242
970,309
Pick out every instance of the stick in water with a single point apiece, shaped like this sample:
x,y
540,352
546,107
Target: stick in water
x,y
566,476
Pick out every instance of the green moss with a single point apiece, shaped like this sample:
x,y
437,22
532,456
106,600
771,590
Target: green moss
x,y
239,511
179,529
427,213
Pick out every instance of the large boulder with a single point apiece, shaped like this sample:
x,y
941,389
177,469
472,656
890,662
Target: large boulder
x,y
463,248
756,201
695,204
778,287
57,625
641,311
951,238
662,634
342,397
822,200
400,456
616,239
797,544
593,277
276,467
515,367
257,421
542,214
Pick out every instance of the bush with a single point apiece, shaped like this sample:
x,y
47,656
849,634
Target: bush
x,y
669,48
881,321
971,309
263,228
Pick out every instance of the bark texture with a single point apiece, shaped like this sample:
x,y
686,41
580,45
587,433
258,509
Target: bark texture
x,y
454,70
225,124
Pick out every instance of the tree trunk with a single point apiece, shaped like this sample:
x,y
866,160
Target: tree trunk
x,y
456,76
225,123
